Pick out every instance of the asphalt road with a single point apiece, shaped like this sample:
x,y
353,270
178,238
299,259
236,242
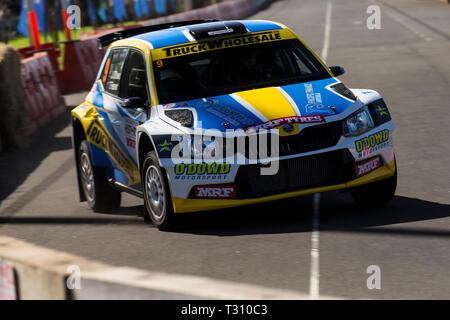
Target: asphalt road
x,y
407,61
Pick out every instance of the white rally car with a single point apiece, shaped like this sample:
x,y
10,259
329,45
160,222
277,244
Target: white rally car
x,y
172,103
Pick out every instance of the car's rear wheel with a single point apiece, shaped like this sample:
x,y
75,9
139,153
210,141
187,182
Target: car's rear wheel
x,y
157,198
100,196
376,194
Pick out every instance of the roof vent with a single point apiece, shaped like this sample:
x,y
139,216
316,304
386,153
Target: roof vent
x,y
216,29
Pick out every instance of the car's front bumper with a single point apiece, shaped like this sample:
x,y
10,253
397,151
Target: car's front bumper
x,y
191,205
323,170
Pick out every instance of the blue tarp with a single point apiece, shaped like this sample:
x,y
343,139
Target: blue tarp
x,y
39,8
160,7
120,13
91,11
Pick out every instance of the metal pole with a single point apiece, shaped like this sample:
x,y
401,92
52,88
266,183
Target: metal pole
x,y
30,34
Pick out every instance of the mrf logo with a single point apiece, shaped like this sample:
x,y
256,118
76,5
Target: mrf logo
x,y
366,167
218,192
373,142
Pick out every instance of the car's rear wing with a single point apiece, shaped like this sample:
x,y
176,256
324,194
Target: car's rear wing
x,y
106,40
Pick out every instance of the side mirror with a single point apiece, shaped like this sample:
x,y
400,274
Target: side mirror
x,y
134,103
337,70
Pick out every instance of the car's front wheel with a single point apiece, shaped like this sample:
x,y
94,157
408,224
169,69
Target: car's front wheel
x,y
157,198
376,194
100,196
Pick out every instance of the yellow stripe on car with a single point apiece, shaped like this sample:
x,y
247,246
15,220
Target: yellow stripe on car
x,y
272,104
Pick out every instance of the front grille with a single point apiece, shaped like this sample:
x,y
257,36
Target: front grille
x,y
296,174
311,139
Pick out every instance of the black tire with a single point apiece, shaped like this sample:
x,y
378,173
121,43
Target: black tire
x,y
376,194
157,196
99,194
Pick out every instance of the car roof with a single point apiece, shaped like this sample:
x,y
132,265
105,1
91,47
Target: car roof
x,y
180,35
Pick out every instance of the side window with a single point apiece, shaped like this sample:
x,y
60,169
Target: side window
x,y
113,71
134,81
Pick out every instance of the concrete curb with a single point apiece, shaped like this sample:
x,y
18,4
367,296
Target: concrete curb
x,y
41,273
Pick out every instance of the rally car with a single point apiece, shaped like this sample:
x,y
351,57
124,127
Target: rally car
x,y
172,103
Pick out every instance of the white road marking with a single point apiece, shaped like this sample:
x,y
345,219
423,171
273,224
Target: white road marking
x,y
315,270
314,278
326,40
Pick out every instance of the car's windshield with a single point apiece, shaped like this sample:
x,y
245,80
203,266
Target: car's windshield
x,y
235,69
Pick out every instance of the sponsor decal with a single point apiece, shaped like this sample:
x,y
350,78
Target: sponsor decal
x,y
130,130
365,167
169,106
202,171
217,44
286,120
373,142
382,111
310,93
216,192
131,143
319,108
315,105
99,137
288,127
219,32
318,97
175,105
166,146
229,115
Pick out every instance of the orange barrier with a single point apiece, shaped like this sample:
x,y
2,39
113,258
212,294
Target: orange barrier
x,y
82,60
43,97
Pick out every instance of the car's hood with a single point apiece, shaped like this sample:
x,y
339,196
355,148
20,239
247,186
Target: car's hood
x,y
304,102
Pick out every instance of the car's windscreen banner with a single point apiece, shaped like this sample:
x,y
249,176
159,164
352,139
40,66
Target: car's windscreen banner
x,y
222,43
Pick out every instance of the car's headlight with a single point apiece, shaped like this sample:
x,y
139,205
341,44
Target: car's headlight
x,y
358,123
183,116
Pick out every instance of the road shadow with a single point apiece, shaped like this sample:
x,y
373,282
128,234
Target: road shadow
x,y
337,213
130,211
16,166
